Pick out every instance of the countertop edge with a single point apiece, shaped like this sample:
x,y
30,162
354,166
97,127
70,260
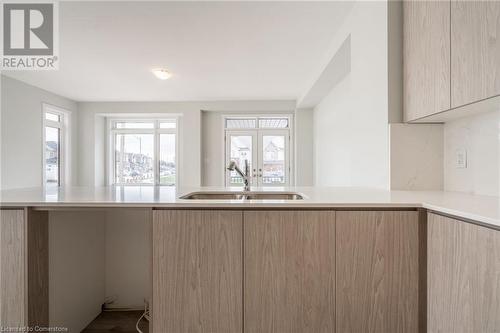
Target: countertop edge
x,y
252,205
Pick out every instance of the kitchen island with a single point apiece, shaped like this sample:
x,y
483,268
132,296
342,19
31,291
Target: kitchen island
x,y
339,259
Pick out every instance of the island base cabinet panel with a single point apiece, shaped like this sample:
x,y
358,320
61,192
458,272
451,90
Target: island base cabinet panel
x,y
289,279
377,271
463,276
197,271
13,272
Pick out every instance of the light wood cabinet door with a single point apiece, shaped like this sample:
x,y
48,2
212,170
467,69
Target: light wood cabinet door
x,y
197,271
13,272
377,271
475,51
426,58
463,276
289,270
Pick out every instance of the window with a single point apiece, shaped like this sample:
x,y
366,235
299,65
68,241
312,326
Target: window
x,y
54,144
143,152
241,123
265,143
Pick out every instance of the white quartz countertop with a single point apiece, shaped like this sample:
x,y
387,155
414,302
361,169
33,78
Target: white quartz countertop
x,y
482,209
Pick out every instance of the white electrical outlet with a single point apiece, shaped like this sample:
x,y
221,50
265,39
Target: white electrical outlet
x,y
461,159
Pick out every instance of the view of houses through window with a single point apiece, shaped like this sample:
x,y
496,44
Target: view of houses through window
x,y
144,152
54,128
274,166
264,143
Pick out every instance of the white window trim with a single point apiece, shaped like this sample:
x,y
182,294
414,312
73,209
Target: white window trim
x,y
64,144
156,131
291,144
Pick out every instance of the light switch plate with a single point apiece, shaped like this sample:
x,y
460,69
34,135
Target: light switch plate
x,y
461,159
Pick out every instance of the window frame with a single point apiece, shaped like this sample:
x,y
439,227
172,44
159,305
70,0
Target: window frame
x,y
64,142
290,150
156,131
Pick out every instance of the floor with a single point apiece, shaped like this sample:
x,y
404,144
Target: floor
x,y
117,321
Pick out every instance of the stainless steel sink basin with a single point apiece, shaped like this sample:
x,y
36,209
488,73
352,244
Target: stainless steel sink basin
x,y
274,196
243,196
214,196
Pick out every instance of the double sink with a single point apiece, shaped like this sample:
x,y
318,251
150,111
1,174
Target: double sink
x,y
243,196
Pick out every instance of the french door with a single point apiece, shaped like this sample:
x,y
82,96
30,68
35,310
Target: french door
x,y
267,152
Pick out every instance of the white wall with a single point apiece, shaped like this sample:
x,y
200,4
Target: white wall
x,y
76,268
212,149
351,123
21,151
95,257
128,257
304,145
479,136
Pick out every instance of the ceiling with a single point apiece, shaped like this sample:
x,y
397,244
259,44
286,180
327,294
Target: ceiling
x,y
215,50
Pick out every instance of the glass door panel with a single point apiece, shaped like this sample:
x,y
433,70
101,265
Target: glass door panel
x,y
52,153
273,154
240,147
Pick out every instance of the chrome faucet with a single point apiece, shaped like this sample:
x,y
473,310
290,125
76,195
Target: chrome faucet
x,y
245,175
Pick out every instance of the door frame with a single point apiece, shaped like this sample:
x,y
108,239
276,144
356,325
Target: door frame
x,y
290,150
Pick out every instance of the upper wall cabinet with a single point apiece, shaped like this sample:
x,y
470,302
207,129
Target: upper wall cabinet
x,y
426,58
451,58
475,51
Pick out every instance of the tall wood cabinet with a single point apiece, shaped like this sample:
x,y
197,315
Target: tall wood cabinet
x,y
377,271
451,55
289,275
463,279
426,58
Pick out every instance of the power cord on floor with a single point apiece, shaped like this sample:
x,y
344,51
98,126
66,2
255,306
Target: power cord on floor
x,y
137,325
144,315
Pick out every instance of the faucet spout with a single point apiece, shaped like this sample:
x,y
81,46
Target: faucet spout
x,y
245,175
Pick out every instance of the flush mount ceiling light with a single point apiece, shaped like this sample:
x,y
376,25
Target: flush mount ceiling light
x,y
161,73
